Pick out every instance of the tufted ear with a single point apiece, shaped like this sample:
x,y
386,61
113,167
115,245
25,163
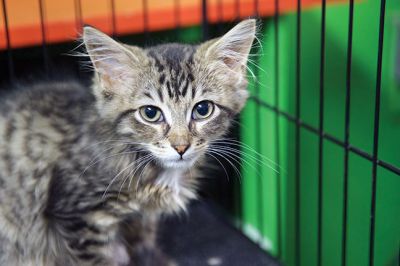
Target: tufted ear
x,y
111,60
233,48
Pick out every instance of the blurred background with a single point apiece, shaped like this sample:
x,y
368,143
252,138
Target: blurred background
x,y
316,180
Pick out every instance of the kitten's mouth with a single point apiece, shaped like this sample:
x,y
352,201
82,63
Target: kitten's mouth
x,y
179,163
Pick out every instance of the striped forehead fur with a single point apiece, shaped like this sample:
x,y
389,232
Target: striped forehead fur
x,y
172,61
174,64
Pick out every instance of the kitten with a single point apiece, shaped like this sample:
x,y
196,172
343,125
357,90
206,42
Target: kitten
x,y
85,174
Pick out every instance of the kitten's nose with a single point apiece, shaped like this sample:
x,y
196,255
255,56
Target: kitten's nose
x,y
181,149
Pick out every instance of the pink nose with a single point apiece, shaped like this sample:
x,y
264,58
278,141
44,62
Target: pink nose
x,y
181,149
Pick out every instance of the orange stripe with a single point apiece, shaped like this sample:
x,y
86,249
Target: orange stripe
x,y
21,36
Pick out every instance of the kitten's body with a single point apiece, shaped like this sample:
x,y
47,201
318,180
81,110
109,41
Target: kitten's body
x,y
79,183
54,129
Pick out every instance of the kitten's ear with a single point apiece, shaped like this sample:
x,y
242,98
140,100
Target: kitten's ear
x,y
110,59
233,48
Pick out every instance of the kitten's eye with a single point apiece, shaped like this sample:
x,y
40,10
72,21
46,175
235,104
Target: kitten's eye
x,y
202,110
151,113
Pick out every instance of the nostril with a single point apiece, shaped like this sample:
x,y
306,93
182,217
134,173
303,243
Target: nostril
x,y
181,149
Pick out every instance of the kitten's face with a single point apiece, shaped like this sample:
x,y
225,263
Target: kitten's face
x,y
179,107
173,100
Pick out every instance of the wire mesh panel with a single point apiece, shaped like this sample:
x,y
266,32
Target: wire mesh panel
x,y
329,76
320,165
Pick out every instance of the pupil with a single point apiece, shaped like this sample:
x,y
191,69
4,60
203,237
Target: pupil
x,y
150,112
202,109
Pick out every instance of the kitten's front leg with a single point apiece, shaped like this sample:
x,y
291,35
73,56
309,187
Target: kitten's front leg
x,y
140,236
88,241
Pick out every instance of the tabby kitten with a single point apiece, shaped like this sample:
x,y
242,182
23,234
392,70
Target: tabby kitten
x,y
85,174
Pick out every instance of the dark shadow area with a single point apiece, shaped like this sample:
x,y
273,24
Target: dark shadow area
x,y
204,237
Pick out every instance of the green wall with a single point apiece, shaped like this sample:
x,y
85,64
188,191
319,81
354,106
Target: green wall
x,y
261,181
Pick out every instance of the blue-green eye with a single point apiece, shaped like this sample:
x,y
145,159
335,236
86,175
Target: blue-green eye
x,y
202,110
151,113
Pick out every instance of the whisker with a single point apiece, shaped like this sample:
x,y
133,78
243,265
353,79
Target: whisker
x,y
105,150
226,172
239,152
244,146
141,173
234,167
133,171
239,160
110,156
115,177
139,178
122,141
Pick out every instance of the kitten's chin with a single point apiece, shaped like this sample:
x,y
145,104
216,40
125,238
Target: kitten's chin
x,y
178,164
